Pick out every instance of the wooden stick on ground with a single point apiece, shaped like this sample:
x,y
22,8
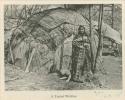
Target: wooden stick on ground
x,y
28,65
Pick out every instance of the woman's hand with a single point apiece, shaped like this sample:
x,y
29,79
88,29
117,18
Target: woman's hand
x,y
87,45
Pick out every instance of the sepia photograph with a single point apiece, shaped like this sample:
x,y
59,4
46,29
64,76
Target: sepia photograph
x,y
63,47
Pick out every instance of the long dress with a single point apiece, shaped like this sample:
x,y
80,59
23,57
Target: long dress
x,y
81,61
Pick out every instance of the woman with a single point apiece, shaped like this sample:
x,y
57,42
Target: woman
x,y
80,54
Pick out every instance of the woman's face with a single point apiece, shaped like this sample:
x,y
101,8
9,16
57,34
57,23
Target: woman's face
x,y
81,30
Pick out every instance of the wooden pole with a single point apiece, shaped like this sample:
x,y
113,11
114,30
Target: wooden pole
x,y
112,24
11,11
100,44
112,15
90,26
61,55
11,53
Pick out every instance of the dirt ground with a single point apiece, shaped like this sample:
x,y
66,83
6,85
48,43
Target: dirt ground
x,y
16,79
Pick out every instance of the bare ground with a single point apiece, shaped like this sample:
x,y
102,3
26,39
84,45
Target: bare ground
x,y
16,79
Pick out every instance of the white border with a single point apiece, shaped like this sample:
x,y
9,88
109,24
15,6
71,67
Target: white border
x,y
81,94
